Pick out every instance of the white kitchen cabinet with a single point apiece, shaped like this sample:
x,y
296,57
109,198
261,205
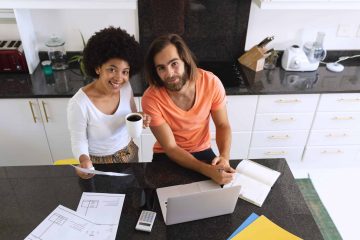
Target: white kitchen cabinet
x,y
147,144
279,138
291,154
239,147
34,131
281,128
66,4
288,103
308,4
147,141
334,139
241,112
283,121
138,140
23,139
325,157
54,116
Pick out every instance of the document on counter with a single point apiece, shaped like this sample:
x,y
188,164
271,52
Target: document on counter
x,y
66,224
101,208
92,171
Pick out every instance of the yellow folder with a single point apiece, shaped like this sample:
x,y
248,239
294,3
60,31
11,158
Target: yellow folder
x,y
262,228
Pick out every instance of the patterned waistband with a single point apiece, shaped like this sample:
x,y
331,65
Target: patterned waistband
x,y
125,155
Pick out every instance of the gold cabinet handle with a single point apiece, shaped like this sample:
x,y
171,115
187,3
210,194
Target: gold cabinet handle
x,y
342,118
46,116
32,111
336,135
288,100
348,100
276,119
332,151
279,137
275,153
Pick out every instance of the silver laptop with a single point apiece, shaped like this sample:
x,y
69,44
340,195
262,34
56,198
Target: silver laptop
x,y
198,200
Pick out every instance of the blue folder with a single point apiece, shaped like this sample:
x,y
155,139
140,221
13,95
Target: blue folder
x,y
246,223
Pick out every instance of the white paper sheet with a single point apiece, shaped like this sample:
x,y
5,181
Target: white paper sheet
x,y
101,208
65,224
91,171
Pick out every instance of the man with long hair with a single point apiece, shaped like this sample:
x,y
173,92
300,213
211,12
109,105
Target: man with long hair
x,y
180,100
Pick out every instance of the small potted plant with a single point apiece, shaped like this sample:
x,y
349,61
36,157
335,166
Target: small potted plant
x,y
79,59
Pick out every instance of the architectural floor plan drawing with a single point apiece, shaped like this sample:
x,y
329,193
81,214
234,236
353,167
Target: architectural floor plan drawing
x,y
97,218
65,224
101,208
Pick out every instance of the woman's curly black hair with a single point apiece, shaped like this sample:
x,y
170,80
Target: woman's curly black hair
x,y
111,43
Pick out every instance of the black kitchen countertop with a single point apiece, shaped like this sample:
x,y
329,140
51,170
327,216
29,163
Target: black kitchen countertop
x,y
30,193
237,81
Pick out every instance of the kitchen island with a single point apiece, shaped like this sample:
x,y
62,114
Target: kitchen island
x,y
30,193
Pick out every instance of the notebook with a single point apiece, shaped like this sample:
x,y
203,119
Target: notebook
x,y
256,181
198,200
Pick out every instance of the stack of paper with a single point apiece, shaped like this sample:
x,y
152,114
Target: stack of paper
x,y
259,228
97,218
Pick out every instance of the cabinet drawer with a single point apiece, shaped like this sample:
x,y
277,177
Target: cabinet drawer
x,y
279,138
340,102
334,137
147,144
241,112
288,103
239,145
337,120
283,121
331,156
292,154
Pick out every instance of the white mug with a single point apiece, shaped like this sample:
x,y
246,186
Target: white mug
x,y
134,124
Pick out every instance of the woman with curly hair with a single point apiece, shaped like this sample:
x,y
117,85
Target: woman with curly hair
x,y
96,113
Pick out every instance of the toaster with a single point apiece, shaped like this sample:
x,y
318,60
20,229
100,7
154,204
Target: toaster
x,y
295,59
12,57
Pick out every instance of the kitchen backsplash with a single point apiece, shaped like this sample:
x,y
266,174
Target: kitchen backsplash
x,y
213,31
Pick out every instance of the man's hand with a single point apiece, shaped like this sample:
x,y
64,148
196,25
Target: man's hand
x,y
221,174
222,161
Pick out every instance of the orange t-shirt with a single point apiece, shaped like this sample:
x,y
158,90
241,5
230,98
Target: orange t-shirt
x,y
190,128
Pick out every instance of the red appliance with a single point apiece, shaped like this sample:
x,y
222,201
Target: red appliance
x,y
12,57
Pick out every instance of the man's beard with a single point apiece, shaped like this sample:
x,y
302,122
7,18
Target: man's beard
x,y
175,86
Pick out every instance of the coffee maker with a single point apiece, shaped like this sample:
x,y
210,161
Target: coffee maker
x,y
306,58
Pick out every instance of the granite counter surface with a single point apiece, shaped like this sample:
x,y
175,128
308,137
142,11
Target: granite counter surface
x,y
30,194
65,84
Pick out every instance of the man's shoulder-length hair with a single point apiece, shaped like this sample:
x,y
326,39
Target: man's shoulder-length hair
x,y
183,50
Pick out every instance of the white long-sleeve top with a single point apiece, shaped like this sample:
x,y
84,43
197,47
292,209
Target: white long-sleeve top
x,y
93,132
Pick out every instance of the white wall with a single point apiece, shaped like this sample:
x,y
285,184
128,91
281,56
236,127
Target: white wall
x,y
8,30
68,23
298,26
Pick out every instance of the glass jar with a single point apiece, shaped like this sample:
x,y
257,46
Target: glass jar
x,y
315,50
57,53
